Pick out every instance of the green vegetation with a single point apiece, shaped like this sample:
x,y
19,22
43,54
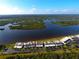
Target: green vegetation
x,y
24,23
28,26
2,23
8,46
59,54
2,47
36,22
29,22
6,21
67,23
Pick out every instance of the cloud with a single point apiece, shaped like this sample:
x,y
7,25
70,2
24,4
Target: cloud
x,y
51,11
17,10
10,10
62,11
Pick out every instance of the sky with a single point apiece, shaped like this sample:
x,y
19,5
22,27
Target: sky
x,y
39,7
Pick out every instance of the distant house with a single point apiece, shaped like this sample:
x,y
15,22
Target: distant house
x,y
29,45
59,44
68,41
18,45
49,45
77,36
39,45
76,40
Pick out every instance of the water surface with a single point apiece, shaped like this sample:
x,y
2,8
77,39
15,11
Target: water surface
x,y
51,30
